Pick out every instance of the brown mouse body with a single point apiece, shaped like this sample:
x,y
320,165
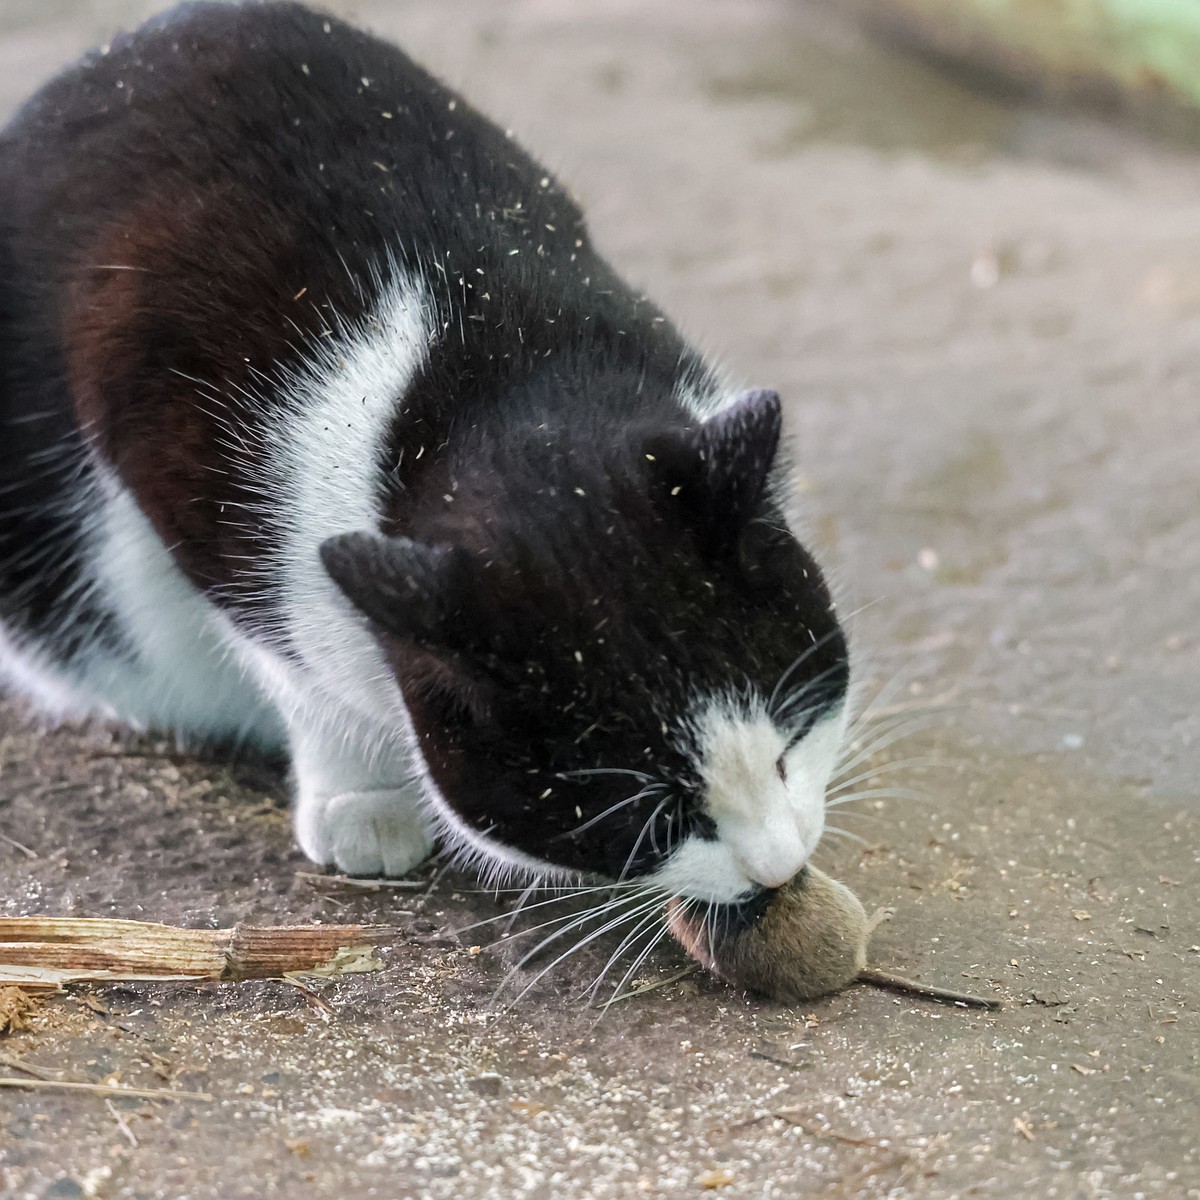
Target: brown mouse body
x,y
808,940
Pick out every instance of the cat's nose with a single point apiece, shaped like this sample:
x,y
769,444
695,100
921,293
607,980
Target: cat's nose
x,y
776,879
773,862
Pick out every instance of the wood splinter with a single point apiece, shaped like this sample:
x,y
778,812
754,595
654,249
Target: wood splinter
x,y
46,953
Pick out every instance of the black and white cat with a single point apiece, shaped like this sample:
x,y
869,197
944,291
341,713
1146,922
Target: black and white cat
x,y
323,424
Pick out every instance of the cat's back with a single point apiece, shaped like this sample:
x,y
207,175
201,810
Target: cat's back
x,y
188,203
242,108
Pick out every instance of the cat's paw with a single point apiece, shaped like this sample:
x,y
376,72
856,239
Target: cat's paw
x,y
365,833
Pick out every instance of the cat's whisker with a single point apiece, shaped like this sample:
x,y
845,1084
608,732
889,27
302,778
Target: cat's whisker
x,y
656,936
883,692
866,725
545,883
646,924
902,764
858,815
885,698
645,793
783,712
902,729
645,828
520,905
945,703
710,928
882,707
523,906
566,894
442,871
674,823
846,618
630,915
888,793
797,662
588,771
835,831
573,922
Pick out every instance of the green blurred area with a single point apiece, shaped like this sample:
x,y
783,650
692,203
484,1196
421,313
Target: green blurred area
x,y
1139,50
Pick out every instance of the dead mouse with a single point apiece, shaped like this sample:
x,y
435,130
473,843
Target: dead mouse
x,y
805,939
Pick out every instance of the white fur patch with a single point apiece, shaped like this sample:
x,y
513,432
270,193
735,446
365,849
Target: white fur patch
x,y
190,668
343,702
181,675
327,479
25,669
358,804
768,821
176,672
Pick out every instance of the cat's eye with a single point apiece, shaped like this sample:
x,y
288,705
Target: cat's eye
x,y
781,767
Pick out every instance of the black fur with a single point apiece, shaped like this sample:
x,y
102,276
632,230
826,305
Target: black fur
x,y
569,557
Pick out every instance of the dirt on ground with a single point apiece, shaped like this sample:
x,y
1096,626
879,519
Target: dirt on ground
x,y
986,321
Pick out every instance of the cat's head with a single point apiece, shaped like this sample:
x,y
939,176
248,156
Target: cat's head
x,y
618,663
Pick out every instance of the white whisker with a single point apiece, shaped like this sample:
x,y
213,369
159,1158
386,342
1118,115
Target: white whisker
x,y
877,794
645,793
799,661
645,828
566,895
641,776
902,729
901,764
637,912
845,833
656,937
646,924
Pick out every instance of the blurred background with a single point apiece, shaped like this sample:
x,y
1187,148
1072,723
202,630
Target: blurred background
x,y
962,238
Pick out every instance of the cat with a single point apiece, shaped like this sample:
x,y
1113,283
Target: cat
x,y
324,427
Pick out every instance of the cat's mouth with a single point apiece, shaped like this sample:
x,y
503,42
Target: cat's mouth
x,y
729,920
701,928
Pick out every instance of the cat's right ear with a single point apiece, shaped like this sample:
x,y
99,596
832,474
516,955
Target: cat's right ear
x,y
713,476
413,590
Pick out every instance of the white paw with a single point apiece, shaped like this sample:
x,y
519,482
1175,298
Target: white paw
x,y
364,833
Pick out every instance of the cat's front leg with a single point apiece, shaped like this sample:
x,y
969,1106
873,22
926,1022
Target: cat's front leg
x,y
358,810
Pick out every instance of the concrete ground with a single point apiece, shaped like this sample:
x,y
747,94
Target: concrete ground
x,y
986,320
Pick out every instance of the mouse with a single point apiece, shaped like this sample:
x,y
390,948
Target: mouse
x,y
326,429
805,939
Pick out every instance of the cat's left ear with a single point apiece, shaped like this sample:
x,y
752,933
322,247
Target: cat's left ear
x,y
415,590
715,475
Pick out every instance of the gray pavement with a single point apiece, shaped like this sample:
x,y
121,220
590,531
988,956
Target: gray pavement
x,y
986,322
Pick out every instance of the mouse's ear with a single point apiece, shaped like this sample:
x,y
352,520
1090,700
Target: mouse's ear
x,y
414,590
714,475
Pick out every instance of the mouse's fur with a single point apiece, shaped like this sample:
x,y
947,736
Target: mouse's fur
x,y
323,424
804,940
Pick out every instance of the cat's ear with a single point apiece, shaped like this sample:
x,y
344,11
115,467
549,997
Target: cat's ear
x,y
411,589
714,475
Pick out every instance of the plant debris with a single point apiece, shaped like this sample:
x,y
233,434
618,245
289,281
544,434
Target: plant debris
x,y
652,986
103,1089
333,883
47,953
16,1007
